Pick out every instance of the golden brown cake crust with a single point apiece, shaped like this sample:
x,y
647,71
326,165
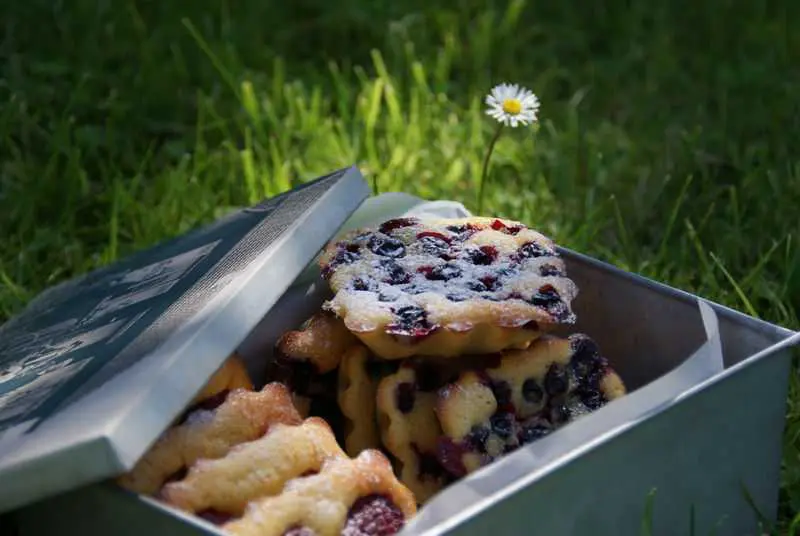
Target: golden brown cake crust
x,y
447,287
255,469
356,396
321,341
243,416
410,431
521,398
321,502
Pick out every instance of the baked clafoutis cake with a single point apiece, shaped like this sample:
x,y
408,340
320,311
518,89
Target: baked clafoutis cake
x,y
434,357
356,390
410,431
250,464
208,430
447,287
520,397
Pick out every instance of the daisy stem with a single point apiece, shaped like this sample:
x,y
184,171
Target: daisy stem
x,y
485,171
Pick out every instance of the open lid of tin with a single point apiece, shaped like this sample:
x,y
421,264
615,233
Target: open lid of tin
x,y
93,370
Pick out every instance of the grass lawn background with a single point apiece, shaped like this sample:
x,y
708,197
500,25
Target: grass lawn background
x,y
669,141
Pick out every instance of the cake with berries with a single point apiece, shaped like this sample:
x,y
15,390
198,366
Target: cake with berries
x,y
521,397
348,497
249,464
318,344
356,396
447,287
410,431
208,430
253,469
307,361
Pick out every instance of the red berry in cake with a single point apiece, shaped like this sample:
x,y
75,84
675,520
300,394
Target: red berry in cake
x,y
450,455
373,515
546,297
215,517
397,223
433,243
483,255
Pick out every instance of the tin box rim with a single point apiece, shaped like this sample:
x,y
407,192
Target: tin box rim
x,y
345,196
768,329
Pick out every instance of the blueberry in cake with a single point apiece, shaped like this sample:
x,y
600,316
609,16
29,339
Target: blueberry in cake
x,y
447,287
520,398
208,430
357,390
409,429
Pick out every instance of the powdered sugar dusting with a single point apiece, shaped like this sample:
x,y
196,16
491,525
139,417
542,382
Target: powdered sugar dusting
x,y
460,272
199,417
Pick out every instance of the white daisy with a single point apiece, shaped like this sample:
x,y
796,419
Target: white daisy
x,y
512,105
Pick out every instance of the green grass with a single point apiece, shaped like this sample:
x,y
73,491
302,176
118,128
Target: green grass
x,y
668,142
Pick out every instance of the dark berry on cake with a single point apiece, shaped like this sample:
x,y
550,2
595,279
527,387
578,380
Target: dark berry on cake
x,y
534,429
393,273
556,381
389,226
531,391
373,515
409,428
386,246
484,255
348,496
489,412
410,320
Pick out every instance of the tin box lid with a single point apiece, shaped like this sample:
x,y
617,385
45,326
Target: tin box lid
x,y
96,368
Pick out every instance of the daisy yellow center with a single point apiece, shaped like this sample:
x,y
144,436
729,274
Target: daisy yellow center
x,y
512,106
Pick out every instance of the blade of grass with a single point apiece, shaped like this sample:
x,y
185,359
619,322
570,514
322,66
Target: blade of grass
x,y
736,288
212,56
673,217
647,519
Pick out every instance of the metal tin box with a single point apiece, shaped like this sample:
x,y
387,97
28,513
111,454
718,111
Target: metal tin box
x,y
705,448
